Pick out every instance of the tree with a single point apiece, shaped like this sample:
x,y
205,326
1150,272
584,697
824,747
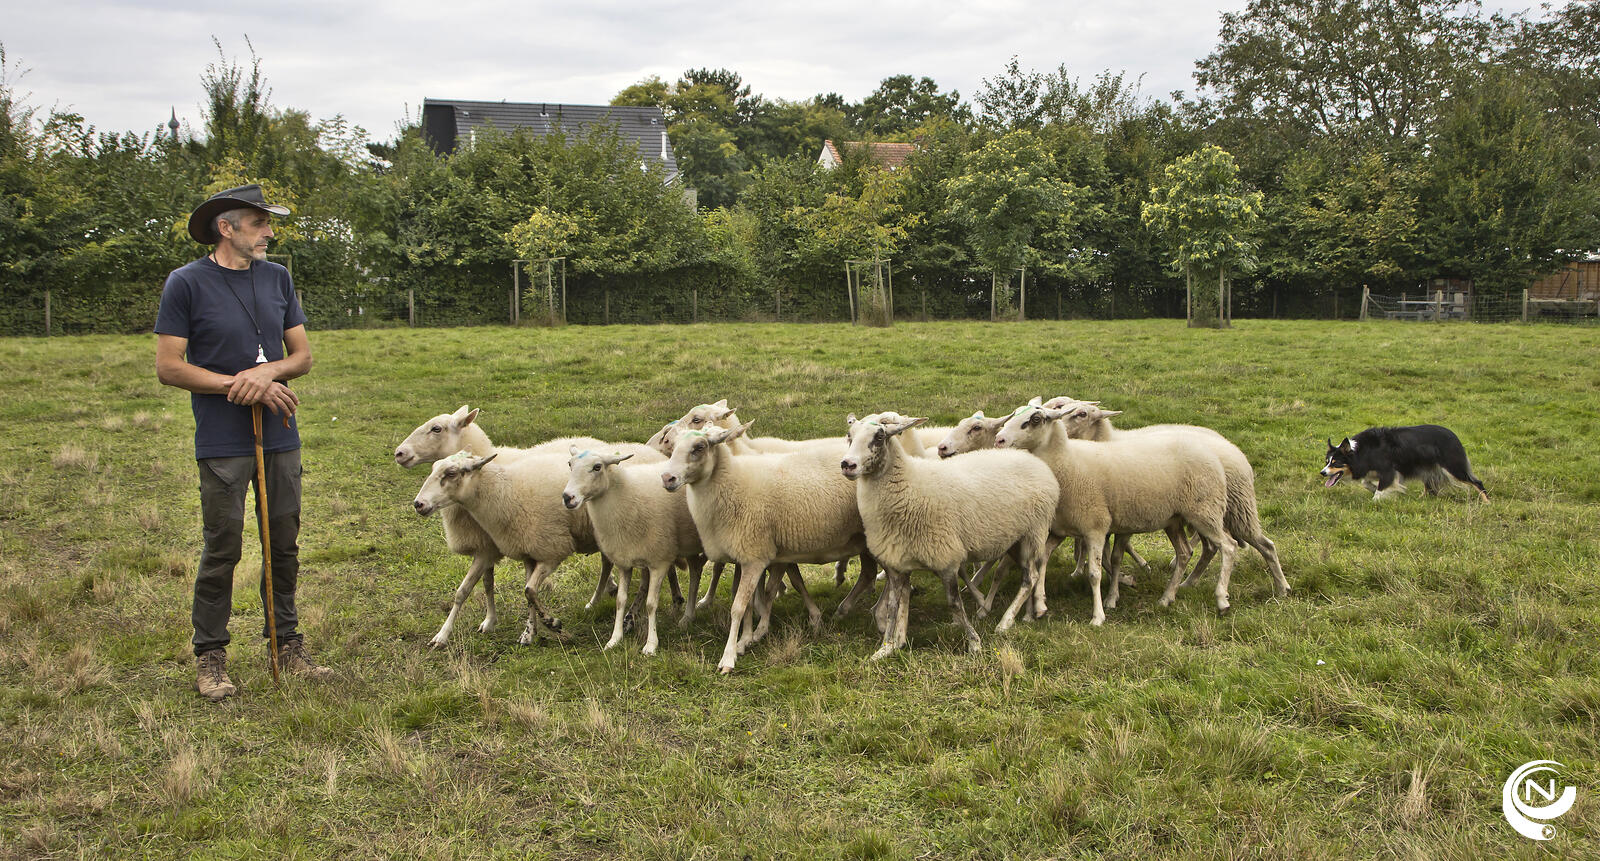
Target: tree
x,y
1343,67
1206,215
1018,211
868,225
901,104
1508,195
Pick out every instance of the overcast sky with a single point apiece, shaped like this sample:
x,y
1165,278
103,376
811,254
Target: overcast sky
x,y
125,64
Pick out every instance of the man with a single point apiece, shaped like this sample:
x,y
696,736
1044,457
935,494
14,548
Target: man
x,y
231,332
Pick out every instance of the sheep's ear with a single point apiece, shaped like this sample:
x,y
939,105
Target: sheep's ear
x,y
463,416
978,414
480,462
1105,414
614,458
1035,401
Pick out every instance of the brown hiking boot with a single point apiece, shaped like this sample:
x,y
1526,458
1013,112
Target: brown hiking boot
x,y
292,658
211,676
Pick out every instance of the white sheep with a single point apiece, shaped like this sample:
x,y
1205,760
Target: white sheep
x,y
448,433
518,505
938,515
758,510
976,433
1088,420
1124,486
636,523
719,414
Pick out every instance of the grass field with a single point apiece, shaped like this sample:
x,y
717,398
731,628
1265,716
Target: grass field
x,y
1431,645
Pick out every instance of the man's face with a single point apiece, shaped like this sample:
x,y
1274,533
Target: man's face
x,y
250,238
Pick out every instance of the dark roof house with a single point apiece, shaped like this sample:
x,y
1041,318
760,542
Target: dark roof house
x,y
447,122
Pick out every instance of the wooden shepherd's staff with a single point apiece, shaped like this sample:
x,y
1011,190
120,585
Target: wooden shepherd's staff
x,y
266,536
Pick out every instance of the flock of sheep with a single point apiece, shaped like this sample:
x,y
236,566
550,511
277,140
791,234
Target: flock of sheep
x,y
892,492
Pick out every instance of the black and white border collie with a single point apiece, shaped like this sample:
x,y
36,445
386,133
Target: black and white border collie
x,y
1384,458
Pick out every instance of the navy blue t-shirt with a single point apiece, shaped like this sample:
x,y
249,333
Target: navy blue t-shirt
x,y
227,314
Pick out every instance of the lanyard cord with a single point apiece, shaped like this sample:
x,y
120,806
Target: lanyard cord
x,y
260,339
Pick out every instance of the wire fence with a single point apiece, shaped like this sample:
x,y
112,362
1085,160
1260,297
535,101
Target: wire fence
x,y
1444,305
917,297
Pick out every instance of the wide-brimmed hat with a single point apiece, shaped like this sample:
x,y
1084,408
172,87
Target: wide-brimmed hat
x,y
203,221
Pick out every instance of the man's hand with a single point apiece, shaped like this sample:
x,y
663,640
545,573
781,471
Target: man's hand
x,y
256,386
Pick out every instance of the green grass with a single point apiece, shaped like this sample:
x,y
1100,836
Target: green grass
x,y
1430,645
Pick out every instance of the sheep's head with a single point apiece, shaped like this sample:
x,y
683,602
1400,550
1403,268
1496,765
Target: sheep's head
x,y
1025,428
705,416
971,434
1078,418
870,439
435,438
590,475
662,439
694,455
444,485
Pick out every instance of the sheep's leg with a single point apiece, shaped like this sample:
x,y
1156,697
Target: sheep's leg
x,y
884,610
1181,547
958,607
539,621
711,590
839,570
812,610
1095,544
1024,592
1118,548
896,605
482,564
997,575
773,578
1125,549
633,603
697,564
740,603
1228,549
1079,557
1269,552
601,585
653,578
1039,609
620,626
868,576
672,580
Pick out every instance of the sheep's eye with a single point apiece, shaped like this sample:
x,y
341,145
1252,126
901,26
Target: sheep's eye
x,y
596,468
1081,414
699,447
450,473
973,429
435,429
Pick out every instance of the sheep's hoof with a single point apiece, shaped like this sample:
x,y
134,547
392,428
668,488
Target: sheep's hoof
x,y
1127,579
1165,601
486,626
974,645
552,623
1111,604
649,649
883,652
725,669
1224,611
526,639
437,643
1097,621
611,643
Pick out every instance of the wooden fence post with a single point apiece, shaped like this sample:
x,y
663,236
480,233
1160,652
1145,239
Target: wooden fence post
x,y
1366,296
1524,305
47,313
694,304
411,307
